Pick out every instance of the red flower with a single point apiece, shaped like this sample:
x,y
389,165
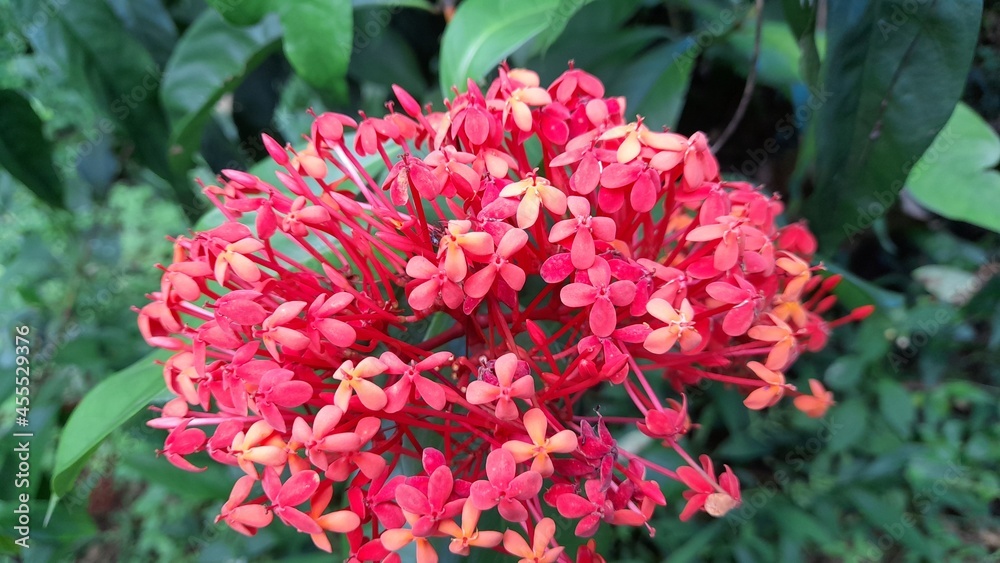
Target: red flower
x,y
714,496
504,488
601,295
505,391
337,327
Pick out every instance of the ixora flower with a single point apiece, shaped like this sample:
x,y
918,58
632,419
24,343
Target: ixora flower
x,y
451,287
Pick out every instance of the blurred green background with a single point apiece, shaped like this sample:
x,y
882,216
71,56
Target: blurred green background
x,y
874,120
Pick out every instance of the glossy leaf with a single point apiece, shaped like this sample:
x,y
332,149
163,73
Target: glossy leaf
x,y
318,41
484,32
25,152
105,407
957,176
210,60
893,81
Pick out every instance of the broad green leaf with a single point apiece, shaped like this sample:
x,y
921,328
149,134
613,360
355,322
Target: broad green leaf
x,y
656,84
210,60
483,32
24,150
801,18
319,38
893,82
241,12
388,60
557,23
956,177
106,407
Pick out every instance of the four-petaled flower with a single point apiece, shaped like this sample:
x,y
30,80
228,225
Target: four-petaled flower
x,y
507,389
479,284
539,550
714,496
354,380
468,535
504,488
456,243
535,192
540,448
583,228
770,394
815,405
680,326
601,295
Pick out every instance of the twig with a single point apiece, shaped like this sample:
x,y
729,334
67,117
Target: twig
x,y
748,88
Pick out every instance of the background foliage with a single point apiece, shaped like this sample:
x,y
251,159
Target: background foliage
x,y
110,109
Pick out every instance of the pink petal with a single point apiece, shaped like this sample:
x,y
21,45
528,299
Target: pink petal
x,y
421,268
298,488
500,467
299,520
513,275
372,396
738,320
481,393
577,295
556,268
478,284
423,295
603,318
582,251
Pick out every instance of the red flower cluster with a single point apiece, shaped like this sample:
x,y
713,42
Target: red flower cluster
x,y
520,250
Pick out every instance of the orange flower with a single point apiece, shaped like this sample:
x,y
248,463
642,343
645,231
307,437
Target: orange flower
x,y
355,380
535,191
815,405
536,424
767,395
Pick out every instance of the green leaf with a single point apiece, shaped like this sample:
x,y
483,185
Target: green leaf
x,y
106,407
24,150
211,59
893,71
897,407
848,424
150,23
484,32
319,38
656,83
801,18
122,74
557,24
242,12
956,177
